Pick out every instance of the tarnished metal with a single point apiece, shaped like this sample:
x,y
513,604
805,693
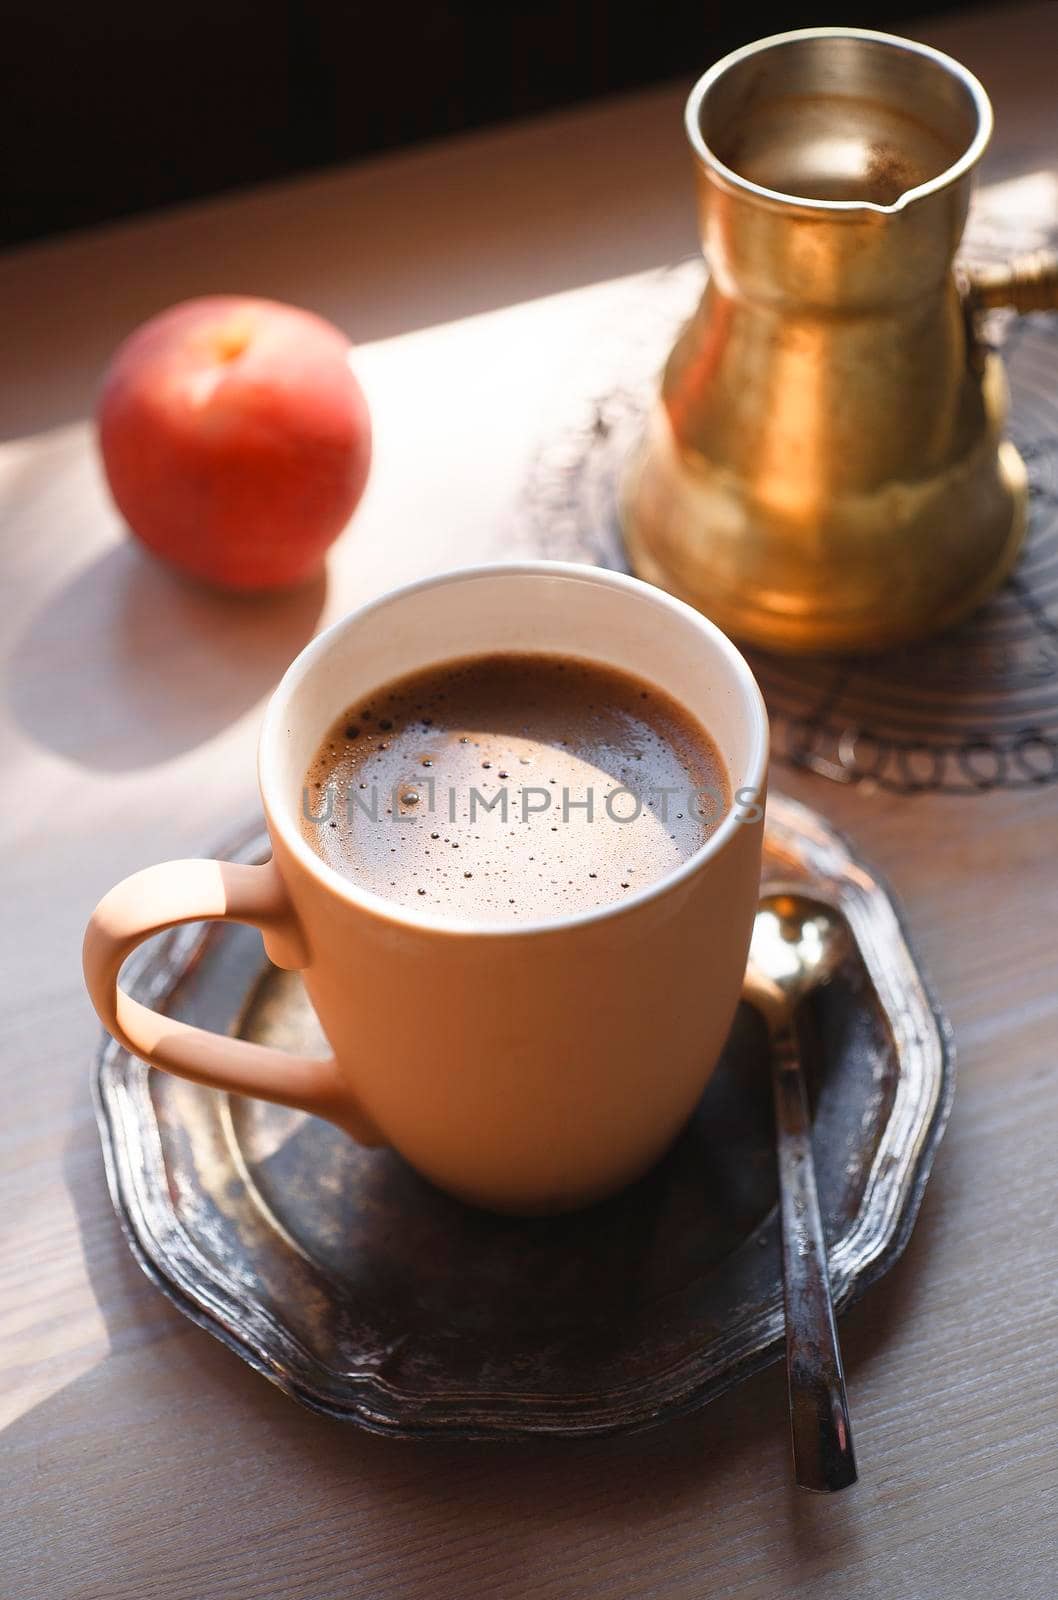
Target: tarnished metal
x,y
825,468
798,944
367,1294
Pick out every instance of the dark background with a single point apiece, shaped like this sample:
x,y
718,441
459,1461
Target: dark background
x,y
110,108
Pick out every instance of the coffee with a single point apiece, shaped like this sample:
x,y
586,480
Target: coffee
x,y
512,788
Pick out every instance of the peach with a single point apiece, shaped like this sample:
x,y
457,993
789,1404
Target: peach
x,y
235,438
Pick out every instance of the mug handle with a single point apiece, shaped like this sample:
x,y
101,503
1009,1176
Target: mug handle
x,y
224,891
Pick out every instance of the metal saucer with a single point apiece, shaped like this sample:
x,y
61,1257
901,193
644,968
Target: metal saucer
x,y
366,1294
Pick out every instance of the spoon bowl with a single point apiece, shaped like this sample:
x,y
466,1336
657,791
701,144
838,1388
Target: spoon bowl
x,y
798,943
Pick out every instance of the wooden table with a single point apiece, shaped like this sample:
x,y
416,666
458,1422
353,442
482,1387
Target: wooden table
x,y
140,1458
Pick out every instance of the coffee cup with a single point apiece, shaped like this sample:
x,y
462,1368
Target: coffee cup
x,y
524,1068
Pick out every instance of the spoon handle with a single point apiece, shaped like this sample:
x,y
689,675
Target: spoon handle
x,y
819,1408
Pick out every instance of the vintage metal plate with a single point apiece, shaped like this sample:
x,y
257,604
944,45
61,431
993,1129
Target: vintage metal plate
x,y
365,1293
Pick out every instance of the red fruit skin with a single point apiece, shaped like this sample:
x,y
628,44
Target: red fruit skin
x,y
235,439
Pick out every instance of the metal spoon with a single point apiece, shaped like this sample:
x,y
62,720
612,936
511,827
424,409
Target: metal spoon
x,y
797,943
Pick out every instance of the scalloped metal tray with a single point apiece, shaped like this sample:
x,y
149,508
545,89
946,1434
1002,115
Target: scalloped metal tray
x,y
364,1293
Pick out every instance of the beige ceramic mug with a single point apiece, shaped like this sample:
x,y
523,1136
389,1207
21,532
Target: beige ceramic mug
x,y
526,1069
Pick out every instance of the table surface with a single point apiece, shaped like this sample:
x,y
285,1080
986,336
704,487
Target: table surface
x,y
139,1457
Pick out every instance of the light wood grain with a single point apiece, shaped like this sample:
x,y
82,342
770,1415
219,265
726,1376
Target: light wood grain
x,y
139,1458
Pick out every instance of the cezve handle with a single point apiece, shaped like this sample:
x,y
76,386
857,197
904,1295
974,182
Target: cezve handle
x,y
190,891
1028,283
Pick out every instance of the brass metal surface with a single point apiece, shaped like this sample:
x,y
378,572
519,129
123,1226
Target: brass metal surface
x,y
825,468
1028,283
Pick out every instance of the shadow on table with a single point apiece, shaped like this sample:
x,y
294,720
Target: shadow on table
x,y
237,1491
129,664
